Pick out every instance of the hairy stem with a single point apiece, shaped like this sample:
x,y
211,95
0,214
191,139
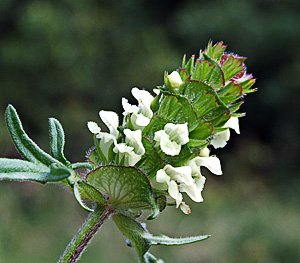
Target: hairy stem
x,y
81,166
84,235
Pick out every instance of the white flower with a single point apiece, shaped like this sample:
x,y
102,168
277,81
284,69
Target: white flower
x,y
106,141
156,91
178,132
220,139
142,113
132,150
172,137
111,120
180,174
212,163
93,127
175,80
144,98
174,192
194,190
134,139
177,180
166,145
126,153
185,208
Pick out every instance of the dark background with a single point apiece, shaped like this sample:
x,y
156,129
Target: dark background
x,y
69,59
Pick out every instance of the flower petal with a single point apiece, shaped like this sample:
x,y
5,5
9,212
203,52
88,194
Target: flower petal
x,y
177,132
185,208
111,120
233,123
144,98
167,146
220,139
128,108
162,177
181,174
134,139
174,192
93,127
212,163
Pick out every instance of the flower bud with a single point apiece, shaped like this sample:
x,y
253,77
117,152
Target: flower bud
x,y
175,80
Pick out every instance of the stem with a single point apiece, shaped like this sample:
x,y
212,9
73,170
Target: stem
x,y
81,166
84,235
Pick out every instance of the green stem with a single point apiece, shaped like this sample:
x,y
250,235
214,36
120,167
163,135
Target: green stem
x,y
76,166
84,235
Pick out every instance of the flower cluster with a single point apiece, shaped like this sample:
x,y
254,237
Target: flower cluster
x,y
167,135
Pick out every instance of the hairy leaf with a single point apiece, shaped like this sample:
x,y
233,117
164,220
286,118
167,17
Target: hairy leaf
x,y
26,147
57,141
126,187
20,170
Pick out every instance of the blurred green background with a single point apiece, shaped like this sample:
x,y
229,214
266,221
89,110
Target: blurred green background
x,y
69,59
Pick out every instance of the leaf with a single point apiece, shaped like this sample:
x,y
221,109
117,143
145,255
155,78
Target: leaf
x,y
20,170
247,84
202,131
151,161
132,230
82,190
234,107
177,111
231,67
25,146
230,93
189,67
57,141
94,159
142,240
157,123
215,52
149,258
208,73
207,103
126,187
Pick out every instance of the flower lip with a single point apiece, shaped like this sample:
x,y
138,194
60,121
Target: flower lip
x,y
111,120
93,127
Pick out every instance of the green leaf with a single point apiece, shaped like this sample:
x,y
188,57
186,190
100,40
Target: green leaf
x,y
20,170
230,93
215,52
247,84
151,161
94,159
59,170
234,107
202,131
189,67
57,141
231,67
177,111
207,103
132,230
126,187
82,190
141,239
149,258
26,147
208,73
157,123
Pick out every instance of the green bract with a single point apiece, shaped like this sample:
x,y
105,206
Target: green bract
x,y
151,159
